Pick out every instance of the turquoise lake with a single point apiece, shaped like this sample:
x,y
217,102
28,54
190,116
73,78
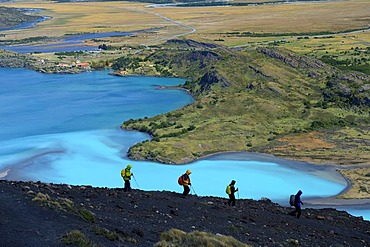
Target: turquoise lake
x,y
65,129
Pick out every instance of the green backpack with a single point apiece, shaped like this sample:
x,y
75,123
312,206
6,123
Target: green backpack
x,y
228,189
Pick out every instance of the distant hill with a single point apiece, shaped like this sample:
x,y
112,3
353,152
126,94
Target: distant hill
x,y
10,17
39,214
252,100
199,3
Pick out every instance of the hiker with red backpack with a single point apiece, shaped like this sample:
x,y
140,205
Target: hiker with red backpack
x,y
230,190
184,180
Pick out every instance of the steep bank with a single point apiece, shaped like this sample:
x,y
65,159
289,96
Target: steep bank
x,y
138,218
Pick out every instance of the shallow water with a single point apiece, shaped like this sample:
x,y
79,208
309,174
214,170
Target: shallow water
x,y
65,129
364,213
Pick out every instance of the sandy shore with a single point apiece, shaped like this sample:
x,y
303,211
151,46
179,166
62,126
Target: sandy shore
x,y
3,174
334,202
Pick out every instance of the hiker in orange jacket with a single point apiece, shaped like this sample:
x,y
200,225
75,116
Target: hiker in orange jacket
x,y
186,182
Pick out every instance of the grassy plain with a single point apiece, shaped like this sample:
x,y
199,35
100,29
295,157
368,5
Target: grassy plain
x,y
95,17
210,22
282,18
296,26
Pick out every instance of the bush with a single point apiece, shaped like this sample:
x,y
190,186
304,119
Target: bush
x,y
191,127
112,236
175,237
77,238
87,215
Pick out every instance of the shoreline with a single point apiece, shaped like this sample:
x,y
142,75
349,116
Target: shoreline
x,y
325,171
3,174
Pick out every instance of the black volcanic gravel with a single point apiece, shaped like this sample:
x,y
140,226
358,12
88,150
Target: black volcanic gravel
x,y
140,216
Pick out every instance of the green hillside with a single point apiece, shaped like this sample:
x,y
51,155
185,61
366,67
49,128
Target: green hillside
x,y
258,100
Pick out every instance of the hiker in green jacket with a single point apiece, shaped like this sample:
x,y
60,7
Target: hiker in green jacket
x,y
230,190
126,175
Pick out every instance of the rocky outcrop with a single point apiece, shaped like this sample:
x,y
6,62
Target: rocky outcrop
x,y
347,93
189,44
291,59
10,17
211,78
204,57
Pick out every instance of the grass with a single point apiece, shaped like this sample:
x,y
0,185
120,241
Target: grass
x,y
175,237
283,18
210,22
114,235
77,238
64,204
360,178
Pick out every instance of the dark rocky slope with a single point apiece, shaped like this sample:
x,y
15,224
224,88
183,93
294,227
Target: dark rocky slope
x,y
110,217
10,17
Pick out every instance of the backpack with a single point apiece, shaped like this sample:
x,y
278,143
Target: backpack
x,y
228,190
291,200
180,180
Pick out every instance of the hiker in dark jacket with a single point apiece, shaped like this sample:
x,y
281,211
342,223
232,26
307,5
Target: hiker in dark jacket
x,y
231,193
186,182
297,204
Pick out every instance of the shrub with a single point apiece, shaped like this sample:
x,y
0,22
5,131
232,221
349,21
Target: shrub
x,y
362,189
191,127
87,215
175,237
112,236
45,200
77,238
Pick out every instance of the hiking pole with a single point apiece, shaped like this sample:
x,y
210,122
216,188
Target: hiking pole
x,y
193,190
136,181
238,194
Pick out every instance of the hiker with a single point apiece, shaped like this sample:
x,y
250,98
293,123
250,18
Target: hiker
x,y
186,182
230,190
297,204
126,175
